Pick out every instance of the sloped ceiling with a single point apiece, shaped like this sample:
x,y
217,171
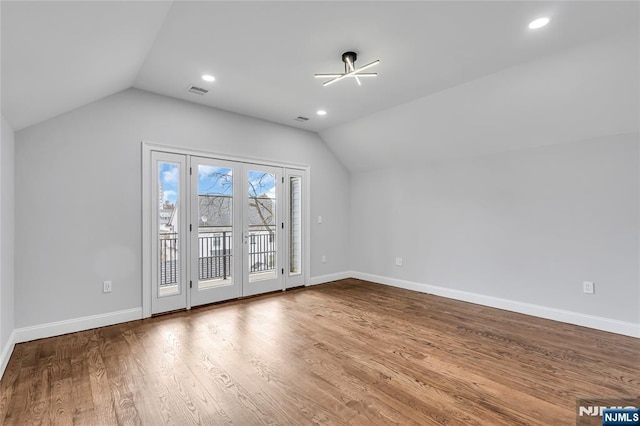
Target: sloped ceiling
x,y
582,93
445,66
57,56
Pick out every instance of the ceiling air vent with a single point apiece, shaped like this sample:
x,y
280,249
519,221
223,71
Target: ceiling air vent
x,y
197,90
301,118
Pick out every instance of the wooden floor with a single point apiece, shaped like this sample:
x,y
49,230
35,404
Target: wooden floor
x,y
348,352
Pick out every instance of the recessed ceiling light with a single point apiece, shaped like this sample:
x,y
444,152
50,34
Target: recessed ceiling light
x,y
321,112
538,23
208,77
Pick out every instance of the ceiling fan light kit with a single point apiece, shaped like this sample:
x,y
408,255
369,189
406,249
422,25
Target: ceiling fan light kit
x,y
349,59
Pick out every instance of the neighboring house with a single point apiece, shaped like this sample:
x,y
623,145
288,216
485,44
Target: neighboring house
x,y
215,212
168,219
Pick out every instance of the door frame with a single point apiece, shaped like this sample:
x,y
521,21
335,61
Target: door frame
x,y
147,210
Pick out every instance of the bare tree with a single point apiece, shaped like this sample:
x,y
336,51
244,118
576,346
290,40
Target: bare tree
x,y
257,198
221,185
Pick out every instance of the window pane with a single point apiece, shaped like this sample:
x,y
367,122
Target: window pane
x,y
295,226
215,225
168,228
262,225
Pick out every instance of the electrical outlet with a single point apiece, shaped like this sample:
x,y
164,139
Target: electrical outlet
x,y
106,286
324,259
589,287
398,261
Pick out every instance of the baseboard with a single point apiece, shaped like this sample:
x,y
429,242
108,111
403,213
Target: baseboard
x,y
6,353
570,317
321,279
58,328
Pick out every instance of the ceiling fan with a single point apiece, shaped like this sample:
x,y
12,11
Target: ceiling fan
x,y
349,59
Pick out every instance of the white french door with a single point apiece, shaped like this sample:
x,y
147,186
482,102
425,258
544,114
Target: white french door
x,y
222,229
216,231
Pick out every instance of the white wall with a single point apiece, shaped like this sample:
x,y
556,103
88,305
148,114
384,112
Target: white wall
x,y
6,241
527,226
78,197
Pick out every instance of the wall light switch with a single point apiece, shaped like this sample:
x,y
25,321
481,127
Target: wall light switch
x,y
319,219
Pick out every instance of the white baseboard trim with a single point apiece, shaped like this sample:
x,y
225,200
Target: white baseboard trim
x,y
6,353
570,317
58,328
321,279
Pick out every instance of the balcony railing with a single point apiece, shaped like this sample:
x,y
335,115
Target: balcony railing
x,y
168,259
215,255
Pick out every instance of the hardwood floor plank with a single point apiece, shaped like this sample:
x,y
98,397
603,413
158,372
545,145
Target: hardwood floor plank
x,y
103,404
61,410
9,384
345,353
81,390
121,385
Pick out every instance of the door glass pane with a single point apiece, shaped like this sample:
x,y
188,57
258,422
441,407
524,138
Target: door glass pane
x,y
262,225
295,226
168,228
215,225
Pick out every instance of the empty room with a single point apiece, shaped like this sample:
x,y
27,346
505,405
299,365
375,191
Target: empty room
x,y
320,212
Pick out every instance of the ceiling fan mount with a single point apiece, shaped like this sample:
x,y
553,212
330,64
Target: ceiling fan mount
x,y
349,56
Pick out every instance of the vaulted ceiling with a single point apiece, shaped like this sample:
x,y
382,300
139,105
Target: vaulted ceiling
x,y
57,56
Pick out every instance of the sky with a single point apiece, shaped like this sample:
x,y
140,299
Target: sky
x,y
213,180
169,174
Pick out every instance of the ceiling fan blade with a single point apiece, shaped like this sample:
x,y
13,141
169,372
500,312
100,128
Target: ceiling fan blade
x,y
326,83
369,65
351,68
352,72
349,74
364,74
